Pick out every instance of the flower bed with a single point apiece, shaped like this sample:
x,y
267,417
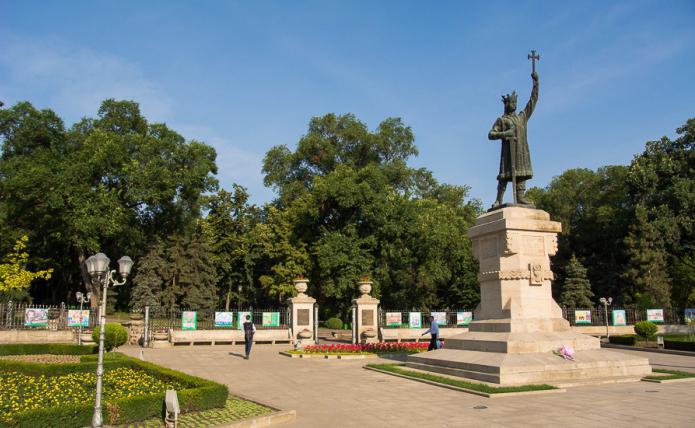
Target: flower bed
x,y
20,392
62,395
369,348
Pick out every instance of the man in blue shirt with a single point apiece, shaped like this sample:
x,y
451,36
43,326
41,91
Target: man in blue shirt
x,y
434,331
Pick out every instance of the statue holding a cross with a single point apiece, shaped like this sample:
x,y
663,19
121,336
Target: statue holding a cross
x,y
515,160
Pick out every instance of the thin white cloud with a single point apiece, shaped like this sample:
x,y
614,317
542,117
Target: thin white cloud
x,y
234,164
76,80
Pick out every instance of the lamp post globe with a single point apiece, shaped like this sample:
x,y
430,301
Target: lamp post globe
x,y
125,264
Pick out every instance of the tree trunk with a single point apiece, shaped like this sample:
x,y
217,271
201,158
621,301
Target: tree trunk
x,y
87,281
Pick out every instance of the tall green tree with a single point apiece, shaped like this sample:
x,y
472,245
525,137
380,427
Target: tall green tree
x,y
576,290
351,197
647,269
177,272
662,181
112,183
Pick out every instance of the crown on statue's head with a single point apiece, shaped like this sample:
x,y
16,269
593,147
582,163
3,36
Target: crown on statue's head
x,y
509,97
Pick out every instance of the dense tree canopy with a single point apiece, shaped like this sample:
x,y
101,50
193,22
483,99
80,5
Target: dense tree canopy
x,y
113,183
348,204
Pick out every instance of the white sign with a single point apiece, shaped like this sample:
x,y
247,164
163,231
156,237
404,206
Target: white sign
x,y
655,315
439,317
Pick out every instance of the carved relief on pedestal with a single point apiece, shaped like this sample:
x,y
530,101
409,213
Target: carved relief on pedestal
x,y
510,244
535,274
551,244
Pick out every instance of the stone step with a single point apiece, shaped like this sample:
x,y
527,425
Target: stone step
x,y
518,369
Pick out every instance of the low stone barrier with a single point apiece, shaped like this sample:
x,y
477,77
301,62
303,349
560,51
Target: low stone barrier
x,y
227,337
37,336
415,334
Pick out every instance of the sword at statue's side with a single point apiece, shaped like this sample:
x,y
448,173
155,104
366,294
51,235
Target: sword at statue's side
x,y
512,161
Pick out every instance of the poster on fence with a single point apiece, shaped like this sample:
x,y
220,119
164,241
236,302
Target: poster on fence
x,y
393,319
582,317
655,315
619,317
415,320
689,315
439,317
242,319
189,320
464,318
271,319
77,318
35,317
224,319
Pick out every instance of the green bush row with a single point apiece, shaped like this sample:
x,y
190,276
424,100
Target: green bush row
x,y
46,348
679,345
201,394
627,339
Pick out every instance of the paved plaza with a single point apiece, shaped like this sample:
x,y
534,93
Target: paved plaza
x,y
335,393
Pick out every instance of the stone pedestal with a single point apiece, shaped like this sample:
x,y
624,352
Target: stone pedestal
x,y
302,307
367,310
518,325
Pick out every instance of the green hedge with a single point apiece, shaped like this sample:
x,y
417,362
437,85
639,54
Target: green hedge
x,y
680,345
201,394
46,348
627,339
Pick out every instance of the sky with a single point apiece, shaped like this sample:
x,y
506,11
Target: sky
x,y
246,76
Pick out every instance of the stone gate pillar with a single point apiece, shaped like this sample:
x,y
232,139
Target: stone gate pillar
x,y
366,310
302,310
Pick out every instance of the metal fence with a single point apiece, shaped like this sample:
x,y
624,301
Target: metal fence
x,y
388,318
632,315
163,319
40,317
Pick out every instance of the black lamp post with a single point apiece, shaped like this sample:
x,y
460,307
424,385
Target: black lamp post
x,y
98,268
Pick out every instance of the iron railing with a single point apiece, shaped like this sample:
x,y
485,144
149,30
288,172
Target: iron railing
x,y
24,316
388,318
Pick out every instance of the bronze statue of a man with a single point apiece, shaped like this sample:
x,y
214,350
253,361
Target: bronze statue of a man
x,y
515,161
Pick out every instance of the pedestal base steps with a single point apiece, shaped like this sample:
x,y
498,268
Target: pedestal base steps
x,y
532,368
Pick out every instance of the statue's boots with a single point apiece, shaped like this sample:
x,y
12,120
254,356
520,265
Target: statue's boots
x,y
501,186
521,193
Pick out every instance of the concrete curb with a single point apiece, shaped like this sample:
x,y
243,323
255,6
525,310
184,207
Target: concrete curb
x,y
328,357
470,391
687,379
275,418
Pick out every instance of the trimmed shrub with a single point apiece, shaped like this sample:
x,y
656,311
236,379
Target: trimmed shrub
x,y
627,339
680,344
646,329
46,348
334,323
115,335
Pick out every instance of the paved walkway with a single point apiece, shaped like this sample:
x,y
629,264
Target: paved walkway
x,y
335,393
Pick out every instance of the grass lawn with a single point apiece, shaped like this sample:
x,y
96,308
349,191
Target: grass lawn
x,y
399,369
234,410
669,375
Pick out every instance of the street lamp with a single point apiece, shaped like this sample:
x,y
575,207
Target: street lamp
x,y
606,302
82,298
98,268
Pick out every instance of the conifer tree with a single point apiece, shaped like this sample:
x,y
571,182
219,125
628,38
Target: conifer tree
x,y
647,269
577,288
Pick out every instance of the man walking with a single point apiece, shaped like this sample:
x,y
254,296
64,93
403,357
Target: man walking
x,y
434,331
249,331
